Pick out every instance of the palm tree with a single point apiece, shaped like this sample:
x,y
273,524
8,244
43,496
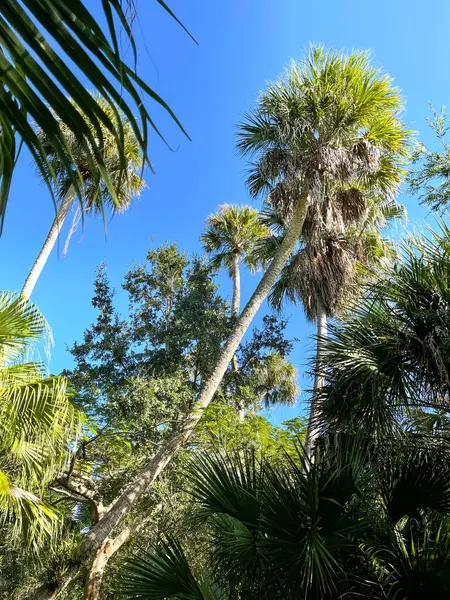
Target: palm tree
x,y
93,191
40,44
323,271
231,236
333,119
354,523
37,422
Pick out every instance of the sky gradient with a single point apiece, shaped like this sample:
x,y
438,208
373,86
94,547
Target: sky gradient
x,y
242,45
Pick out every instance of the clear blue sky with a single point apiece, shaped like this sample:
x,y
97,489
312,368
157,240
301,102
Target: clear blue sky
x,y
242,45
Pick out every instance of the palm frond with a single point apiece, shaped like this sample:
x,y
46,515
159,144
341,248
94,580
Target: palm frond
x,y
163,572
39,41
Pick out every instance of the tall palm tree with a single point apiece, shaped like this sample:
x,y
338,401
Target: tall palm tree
x,y
230,237
324,269
40,42
93,191
333,119
37,422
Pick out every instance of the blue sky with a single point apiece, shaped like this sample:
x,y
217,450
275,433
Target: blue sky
x,y
242,45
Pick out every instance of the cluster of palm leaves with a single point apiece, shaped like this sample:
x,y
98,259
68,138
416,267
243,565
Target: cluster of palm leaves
x,y
37,419
391,355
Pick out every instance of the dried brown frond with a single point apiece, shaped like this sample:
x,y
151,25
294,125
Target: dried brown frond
x,y
368,154
352,205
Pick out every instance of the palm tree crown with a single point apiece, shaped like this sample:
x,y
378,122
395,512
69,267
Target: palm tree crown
x,y
233,230
327,267
95,190
113,187
331,124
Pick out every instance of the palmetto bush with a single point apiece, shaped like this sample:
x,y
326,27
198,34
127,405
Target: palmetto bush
x,y
390,357
358,520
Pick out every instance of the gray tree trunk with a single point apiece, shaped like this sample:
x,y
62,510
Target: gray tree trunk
x,y
315,408
49,243
236,277
147,475
235,309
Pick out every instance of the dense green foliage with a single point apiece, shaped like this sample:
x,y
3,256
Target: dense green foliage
x,y
149,470
369,514
135,377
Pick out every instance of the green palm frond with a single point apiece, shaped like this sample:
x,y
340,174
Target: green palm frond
x,y
40,40
21,323
37,422
391,353
31,519
276,381
159,574
414,480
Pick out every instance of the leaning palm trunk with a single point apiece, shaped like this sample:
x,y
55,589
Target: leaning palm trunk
x,y
49,243
99,535
314,411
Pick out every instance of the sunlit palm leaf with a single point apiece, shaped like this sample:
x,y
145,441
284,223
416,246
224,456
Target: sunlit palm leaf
x,y
39,41
31,519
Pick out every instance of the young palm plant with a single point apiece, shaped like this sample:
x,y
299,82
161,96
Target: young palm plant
x,y
37,422
94,190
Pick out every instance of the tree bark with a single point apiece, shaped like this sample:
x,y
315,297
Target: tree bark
x,y
315,408
102,556
49,243
116,511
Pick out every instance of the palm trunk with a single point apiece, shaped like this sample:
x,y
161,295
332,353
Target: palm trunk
x,y
235,308
236,276
315,409
49,243
134,491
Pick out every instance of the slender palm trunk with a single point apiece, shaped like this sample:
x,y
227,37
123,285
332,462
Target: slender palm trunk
x,y
49,243
147,475
236,276
314,411
235,308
